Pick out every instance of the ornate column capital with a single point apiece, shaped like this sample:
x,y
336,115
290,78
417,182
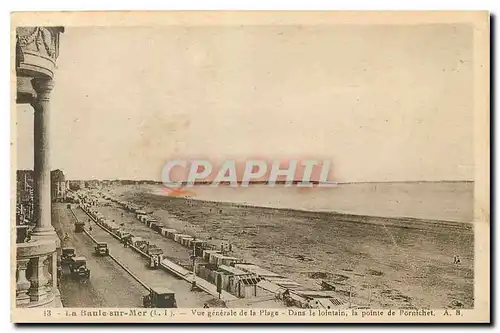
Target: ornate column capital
x,y
43,87
37,49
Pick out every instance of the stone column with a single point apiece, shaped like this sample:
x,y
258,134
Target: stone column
x,y
42,214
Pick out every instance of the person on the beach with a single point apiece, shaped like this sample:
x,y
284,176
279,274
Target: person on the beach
x,y
456,259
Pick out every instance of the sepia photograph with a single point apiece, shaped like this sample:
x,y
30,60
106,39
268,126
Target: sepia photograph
x,y
296,167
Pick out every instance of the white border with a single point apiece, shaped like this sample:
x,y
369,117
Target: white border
x,y
47,5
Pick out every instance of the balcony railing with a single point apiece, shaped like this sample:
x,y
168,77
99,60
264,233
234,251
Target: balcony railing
x,y
36,274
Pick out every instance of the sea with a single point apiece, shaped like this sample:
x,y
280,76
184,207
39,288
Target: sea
x,y
446,201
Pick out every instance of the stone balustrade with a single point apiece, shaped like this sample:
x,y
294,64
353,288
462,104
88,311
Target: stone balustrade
x,y
36,274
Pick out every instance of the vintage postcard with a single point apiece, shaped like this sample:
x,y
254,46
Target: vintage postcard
x,y
301,167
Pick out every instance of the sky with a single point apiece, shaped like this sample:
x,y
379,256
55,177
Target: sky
x,y
382,103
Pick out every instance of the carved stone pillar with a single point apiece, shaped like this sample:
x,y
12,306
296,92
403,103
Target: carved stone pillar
x,y
22,283
47,264
43,87
54,271
38,290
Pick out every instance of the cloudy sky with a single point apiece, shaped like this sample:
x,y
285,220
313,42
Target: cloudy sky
x,y
382,103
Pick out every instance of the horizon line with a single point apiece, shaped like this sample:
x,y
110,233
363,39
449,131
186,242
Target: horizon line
x,y
283,181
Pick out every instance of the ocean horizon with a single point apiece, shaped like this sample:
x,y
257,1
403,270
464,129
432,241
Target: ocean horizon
x,y
442,200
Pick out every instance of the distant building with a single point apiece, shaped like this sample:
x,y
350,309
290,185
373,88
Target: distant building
x,y
25,188
74,185
94,183
24,197
58,185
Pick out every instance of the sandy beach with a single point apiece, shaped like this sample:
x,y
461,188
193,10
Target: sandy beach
x,y
392,262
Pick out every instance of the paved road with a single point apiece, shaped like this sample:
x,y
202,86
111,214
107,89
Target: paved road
x,y
138,265
109,284
172,250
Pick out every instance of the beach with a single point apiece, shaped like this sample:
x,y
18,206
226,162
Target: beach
x,y
403,262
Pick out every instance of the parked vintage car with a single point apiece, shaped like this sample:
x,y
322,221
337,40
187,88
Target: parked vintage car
x,y
78,269
127,240
101,249
68,253
79,226
159,297
138,242
155,257
122,234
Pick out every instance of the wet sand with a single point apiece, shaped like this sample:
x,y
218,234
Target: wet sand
x,y
391,262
